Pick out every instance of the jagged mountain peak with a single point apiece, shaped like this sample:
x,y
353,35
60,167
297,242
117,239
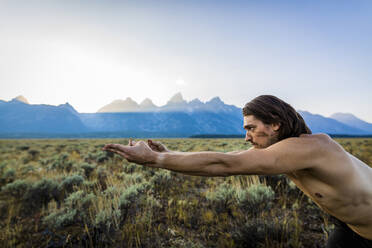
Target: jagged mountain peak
x,y
21,98
177,98
147,103
196,100
129,99
69,107
215,100
127,105
66,104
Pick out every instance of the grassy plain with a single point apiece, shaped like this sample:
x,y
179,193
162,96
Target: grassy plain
x,y
69,193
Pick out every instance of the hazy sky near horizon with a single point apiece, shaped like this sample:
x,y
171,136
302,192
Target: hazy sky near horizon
x,y
316,55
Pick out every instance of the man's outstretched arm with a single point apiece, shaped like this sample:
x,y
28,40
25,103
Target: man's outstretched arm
x,y
283,157
191,163
197,163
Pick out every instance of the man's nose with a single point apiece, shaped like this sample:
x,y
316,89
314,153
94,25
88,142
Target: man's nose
x,y
248,137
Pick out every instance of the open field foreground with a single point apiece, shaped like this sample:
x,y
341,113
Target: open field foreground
x,y
69,193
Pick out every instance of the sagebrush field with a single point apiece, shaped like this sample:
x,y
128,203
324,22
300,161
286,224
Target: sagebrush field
x,y
69,193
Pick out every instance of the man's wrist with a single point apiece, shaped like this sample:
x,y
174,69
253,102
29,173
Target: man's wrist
x,y
159,159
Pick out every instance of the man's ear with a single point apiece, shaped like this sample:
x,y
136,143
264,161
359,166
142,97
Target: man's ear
x,y
275,126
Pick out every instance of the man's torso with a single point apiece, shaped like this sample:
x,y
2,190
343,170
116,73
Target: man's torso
x,y
341,185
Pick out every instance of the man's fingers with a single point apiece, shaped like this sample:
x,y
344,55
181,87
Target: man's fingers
x,y
155,146
154,143
108,146
151,143
118,152
115,146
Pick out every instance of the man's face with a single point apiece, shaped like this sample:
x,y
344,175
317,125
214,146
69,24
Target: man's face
x,y
261,135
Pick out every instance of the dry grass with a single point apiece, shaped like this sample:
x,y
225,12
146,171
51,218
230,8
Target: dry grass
x,y
81,196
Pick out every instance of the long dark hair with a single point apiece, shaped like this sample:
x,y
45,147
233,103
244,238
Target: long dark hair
x,y
272,110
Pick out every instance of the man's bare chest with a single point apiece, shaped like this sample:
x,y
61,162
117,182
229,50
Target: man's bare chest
x,y
342,202
325,196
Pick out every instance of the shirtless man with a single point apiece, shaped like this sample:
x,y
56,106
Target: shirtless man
x,y
335,180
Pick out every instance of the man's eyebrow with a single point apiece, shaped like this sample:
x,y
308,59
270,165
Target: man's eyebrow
x,y
248,126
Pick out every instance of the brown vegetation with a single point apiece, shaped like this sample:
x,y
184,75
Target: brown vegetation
x,y
69,193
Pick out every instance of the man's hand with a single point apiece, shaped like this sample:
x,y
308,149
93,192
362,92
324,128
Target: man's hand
x,y
138,152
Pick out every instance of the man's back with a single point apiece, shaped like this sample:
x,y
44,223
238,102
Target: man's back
x,y
338,183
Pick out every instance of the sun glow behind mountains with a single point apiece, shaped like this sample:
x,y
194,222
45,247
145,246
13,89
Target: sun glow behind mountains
x,y
88,53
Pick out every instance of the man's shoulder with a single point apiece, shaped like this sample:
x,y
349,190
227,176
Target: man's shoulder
x,y
322,136
320,144
309,144
318,138
310,139
297,153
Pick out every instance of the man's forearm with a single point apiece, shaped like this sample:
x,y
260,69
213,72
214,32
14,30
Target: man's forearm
x,y
196,163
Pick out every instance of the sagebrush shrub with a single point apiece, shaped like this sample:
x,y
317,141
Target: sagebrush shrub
x,y
9,175
75,211
24,170
107,220
162,180
80,200
134,178
60,219
102,175
16,189
33,154
133,199
89,185
103,156
39,194
256,198
130,167
113,191
61,163
129,196
68,183
88,169
222,197
2,167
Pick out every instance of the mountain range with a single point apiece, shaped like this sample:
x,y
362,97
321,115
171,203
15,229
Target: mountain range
x,y
175,104
126,118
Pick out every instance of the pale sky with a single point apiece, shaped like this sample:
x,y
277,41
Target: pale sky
x,y
316,55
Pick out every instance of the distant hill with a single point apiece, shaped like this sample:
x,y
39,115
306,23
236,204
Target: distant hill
x,y
352,120
321,124
21,99
178,118
19,117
